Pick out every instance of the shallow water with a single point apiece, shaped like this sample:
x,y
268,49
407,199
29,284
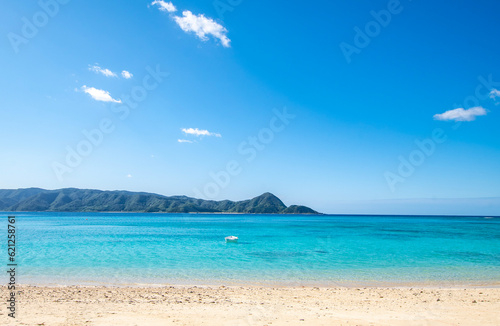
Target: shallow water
x,y
130,248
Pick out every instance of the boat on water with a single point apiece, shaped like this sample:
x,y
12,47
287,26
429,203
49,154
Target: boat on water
x,y
231,238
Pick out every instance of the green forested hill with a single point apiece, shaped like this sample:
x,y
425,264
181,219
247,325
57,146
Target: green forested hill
x,y
88,200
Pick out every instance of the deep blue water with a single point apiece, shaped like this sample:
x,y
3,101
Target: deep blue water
x,y
124,248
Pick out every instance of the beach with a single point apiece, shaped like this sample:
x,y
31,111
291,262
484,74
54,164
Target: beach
x,y
156,269
252,305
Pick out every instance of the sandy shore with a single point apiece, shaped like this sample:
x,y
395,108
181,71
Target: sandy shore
x,y
182,305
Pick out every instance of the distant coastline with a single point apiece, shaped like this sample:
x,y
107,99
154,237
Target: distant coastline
x,y
91,200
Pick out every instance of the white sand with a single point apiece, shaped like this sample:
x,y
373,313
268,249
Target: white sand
x,y
179,305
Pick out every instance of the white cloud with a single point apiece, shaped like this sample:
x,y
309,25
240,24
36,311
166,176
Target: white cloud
x,y
184,141
199,133
99,94
461,114
99,70
108,73
164,6
129,176
126,74
202,26
494,93
199,24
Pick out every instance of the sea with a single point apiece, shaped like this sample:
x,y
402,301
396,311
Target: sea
x,y
137,249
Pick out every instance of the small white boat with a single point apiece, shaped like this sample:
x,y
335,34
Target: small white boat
x,y
231,238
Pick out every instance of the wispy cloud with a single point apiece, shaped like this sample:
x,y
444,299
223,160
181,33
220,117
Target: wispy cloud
x,y
494,93
104,71
99,94
461,114
199,133
108,73
129,176
126,74
202,26
164,6
184,141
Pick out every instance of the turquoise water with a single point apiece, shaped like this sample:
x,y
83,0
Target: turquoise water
x,y
118,248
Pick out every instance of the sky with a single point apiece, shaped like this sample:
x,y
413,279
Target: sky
x,y
382,107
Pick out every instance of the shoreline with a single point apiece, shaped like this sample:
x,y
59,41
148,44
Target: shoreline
x,y
348,284
485,216
252,305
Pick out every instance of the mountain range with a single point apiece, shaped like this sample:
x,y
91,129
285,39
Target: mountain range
x,y
90,200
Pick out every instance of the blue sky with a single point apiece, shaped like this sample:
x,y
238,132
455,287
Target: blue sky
x,y
322,103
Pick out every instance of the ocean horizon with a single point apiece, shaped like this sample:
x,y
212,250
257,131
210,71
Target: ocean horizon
x,y
320,250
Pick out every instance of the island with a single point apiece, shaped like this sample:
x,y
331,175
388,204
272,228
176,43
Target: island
x,y
91,200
